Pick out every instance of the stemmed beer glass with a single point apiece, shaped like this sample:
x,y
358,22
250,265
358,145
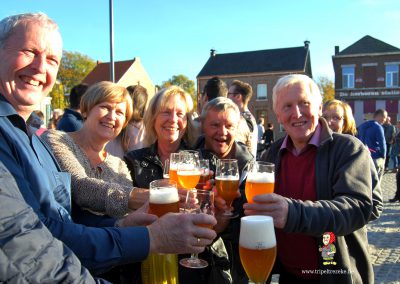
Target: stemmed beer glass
x,y
227,183
257,246
188,169
198,201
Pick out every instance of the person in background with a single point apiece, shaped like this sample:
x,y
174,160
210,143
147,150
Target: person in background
x,y
132,136
30,52
339,116
390,132
219,120
372,135
395,157
268,135
35,122
72,119
241,93
260,127
320,186
214,87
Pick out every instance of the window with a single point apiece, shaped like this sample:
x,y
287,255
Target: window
x,y
392,75
348,77
261,91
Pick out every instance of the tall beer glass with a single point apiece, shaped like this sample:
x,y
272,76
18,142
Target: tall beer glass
x,y
260,179
257,246
227,183
198,201
162,268
188,169
173,167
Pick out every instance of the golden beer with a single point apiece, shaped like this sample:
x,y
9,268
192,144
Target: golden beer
x,y
227,188
257,263
259,183
188,179
173,174
257,247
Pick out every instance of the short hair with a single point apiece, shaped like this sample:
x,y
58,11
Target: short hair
x,y
244,89
349,123
219,104
8,24
105,91
76,94
215,87
157,103
139,99
379,112
294,79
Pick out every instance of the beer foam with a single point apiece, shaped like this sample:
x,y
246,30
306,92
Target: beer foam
x,y
229,178
189,173
164,195
257,232
258,177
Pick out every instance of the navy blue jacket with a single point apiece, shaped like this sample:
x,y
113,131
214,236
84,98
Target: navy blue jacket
x,y
47,190
371,134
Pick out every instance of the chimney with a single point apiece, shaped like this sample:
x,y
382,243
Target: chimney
x,y
306,43
212,52
336,49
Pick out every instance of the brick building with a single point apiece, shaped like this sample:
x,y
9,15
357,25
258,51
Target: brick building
x,y
261,69
367,77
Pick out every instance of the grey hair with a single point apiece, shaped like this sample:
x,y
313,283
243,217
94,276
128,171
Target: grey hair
x,y
293,79
8,24
219,104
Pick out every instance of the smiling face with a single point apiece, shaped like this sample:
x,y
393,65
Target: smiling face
x,y
171,121
219,128
105,120
298,112
29,60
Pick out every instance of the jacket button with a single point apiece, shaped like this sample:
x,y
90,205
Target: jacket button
x,y
144,164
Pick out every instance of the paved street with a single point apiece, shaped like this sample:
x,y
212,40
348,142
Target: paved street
x,y
384,236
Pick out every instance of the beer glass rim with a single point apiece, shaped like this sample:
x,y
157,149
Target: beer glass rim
x,y
162,183
257,218
228,160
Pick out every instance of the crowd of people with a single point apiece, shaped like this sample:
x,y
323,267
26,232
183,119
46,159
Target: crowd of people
x,y
75,199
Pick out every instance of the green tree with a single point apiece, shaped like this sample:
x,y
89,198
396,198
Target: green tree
x,y
73,69
185,83
327,88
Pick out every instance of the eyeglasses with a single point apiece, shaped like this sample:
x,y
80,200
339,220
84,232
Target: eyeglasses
x,y
335,118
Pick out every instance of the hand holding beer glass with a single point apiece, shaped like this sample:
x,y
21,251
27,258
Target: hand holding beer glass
x,y
198,201
257,246
227,183
260,179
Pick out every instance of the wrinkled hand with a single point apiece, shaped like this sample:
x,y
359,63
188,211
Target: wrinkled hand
x,y
272,204
139,217
179,233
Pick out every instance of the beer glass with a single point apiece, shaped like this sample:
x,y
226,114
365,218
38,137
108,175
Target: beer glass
x,y
204,174
173,167
164,197
227,183
166,169
260,179
198,201
188,169
257,246
161,268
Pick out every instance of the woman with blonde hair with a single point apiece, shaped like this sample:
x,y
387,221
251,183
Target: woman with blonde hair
x,y
339,116
168,129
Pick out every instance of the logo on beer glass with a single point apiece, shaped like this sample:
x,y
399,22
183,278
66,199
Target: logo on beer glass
x,y
328,250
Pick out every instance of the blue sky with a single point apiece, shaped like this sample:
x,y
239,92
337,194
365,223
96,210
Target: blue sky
x,y
175,37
